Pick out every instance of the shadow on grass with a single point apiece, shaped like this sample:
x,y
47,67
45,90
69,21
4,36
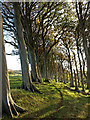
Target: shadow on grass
x,y
70,110
74,105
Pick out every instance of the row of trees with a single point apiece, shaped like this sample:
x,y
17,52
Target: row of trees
x,y
53,38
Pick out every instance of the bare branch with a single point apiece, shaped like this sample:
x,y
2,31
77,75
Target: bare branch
x,y
12,43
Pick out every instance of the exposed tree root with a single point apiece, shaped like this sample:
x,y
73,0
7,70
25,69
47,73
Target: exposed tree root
x,y
39,80
11,108
31,88
19,109
61,95
34,89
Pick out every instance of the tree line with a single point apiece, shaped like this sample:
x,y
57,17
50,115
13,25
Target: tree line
x,y
53,38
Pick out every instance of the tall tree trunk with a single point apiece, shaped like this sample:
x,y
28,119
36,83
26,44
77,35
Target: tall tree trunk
x,y
71,78
44,54
38,63
63,75
88,68
8,105
45,65
82,18
27,81
80,64
59,72
76,69
67,76
76,87
34,72
1,36
83,63
27,25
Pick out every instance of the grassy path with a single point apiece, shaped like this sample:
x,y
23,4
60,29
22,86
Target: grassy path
x,y
49,105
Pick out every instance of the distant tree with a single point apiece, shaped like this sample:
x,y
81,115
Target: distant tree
x,y
11,72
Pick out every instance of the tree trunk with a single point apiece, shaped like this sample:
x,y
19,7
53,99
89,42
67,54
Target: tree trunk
x,y
76,87
83,63
71,78
88,68
26,76
45,66
80,64
44,54
34,72
76,69
8,105
27,25
63,75
59,72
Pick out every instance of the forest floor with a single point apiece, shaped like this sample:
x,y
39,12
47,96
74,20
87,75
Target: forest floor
x,y
47,105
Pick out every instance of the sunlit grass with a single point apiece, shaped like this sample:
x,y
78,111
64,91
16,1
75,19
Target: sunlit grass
x,y
15,80
39,106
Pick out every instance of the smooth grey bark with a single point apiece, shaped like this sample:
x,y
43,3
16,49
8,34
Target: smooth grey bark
x,y
8,105
39,71
34,71
22,48
27,25
27,81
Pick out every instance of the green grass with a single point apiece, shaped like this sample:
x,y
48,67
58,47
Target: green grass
x,y
15,80
39,106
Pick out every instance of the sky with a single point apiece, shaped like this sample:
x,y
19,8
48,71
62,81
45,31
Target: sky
x,y
13,62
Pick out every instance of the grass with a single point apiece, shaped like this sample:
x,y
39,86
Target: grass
x,y
15,80
39,106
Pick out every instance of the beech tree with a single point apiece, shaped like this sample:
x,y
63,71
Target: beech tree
x,y
8,105
82,11
27,81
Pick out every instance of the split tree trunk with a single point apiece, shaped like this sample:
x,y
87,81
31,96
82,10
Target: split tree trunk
x,y
27,26
26,76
